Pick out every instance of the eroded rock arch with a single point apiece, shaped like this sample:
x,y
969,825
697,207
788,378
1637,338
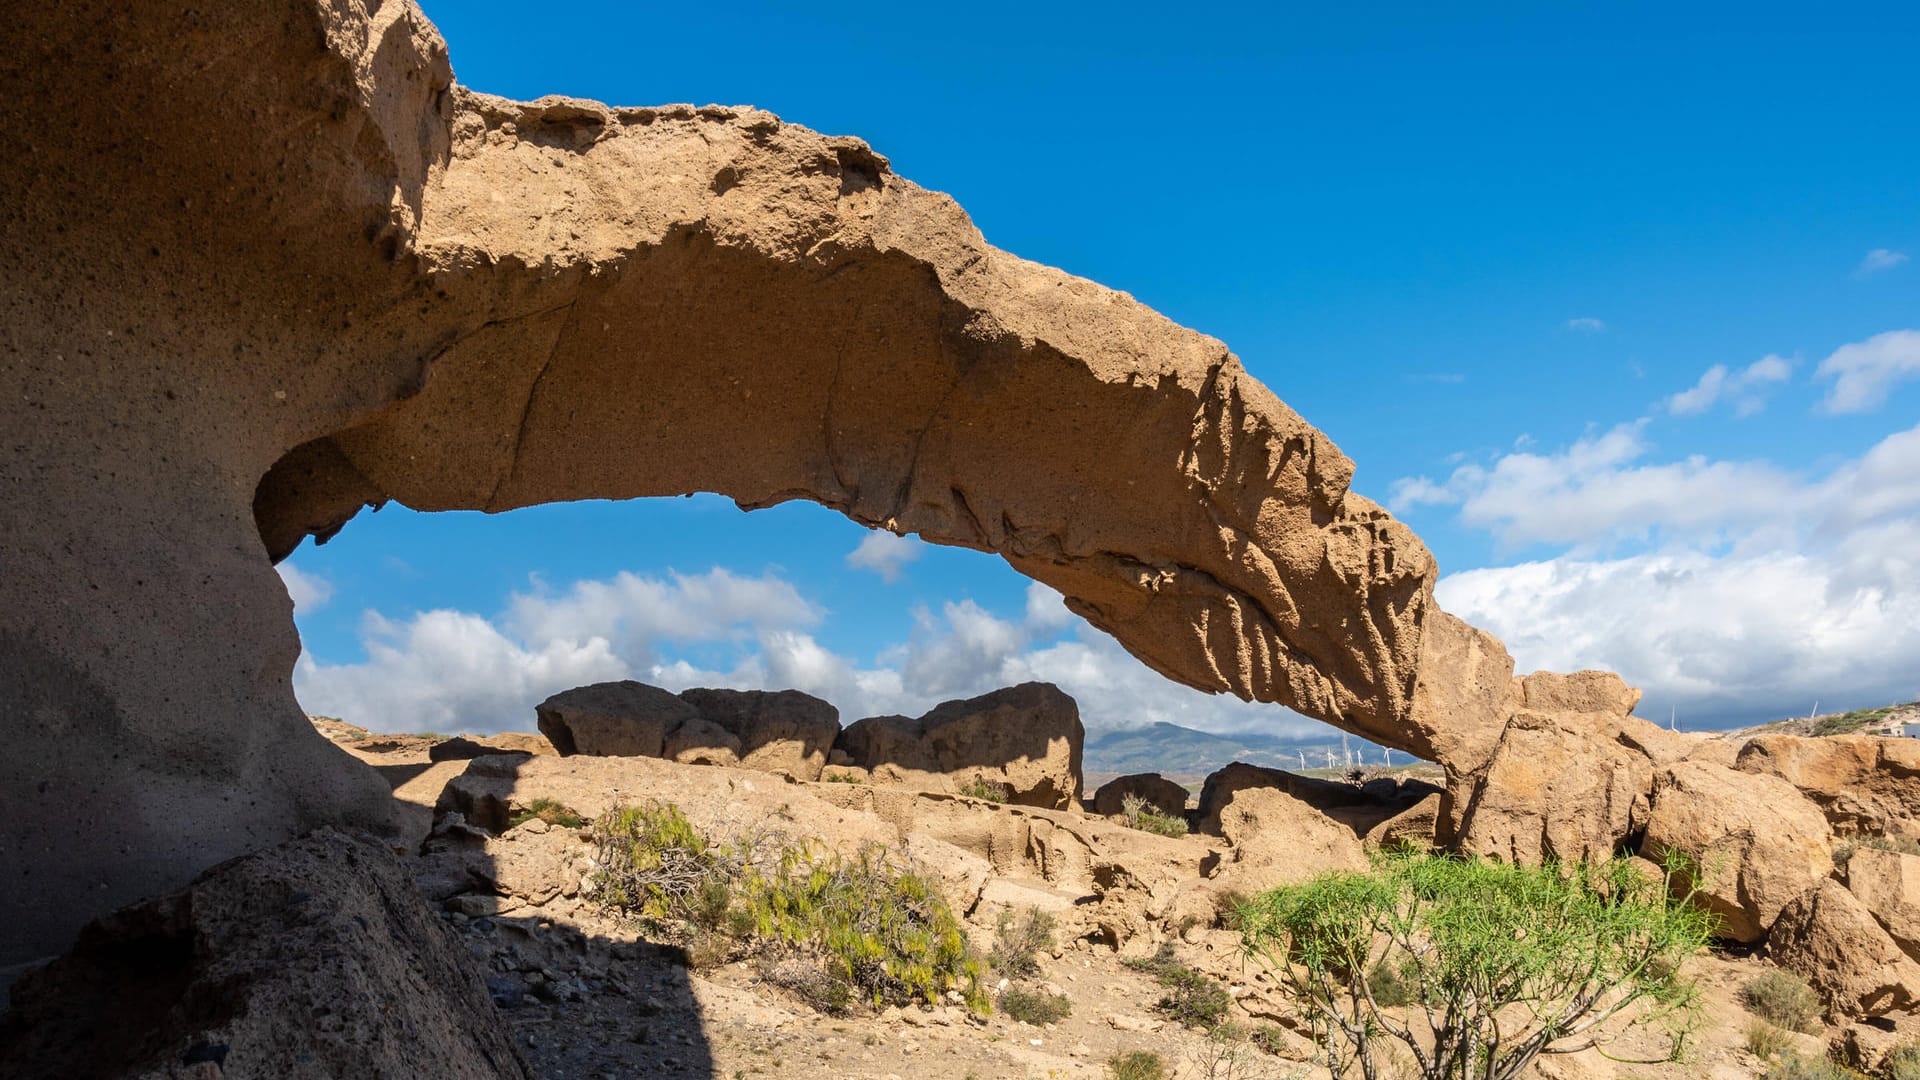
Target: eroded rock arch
x,y
267,264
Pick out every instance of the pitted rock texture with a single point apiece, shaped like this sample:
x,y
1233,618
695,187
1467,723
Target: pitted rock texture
x,y
268,264
314,959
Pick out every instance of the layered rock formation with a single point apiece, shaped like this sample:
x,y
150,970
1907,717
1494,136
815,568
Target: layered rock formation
x,y
1023,742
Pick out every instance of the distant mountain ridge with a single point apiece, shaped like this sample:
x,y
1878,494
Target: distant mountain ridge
x,y
1172,750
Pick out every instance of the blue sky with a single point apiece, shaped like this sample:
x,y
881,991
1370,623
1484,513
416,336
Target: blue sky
x,y
1499,257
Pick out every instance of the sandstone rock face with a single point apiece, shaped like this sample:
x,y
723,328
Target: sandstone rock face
x,y
387,287
775,730
1360,809
316,958
1757,844
1026,739
1279,839
613,719
1863,783
1888,883
1159,792
1830,937
1417,826
699,741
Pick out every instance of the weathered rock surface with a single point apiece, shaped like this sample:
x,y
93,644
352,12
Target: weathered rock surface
x,y
1863,783
1830,937
1159,792
1888,883
313,959
1757,846
1026,740
773,730
613,719
1417,826
1359,809
1279,839
699,741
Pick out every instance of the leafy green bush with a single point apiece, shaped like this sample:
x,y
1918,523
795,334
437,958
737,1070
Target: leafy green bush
x,y
1849,722
1137,813
1797,1066
984,789
1389,984
1137,1065
1018,942
833,928
1783,998
1193,998
1036,1007
546,810
1578,944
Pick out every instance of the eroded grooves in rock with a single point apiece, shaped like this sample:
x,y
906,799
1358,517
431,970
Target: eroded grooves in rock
x,y
237,232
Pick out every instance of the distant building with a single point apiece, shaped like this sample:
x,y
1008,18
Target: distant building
x,y
1911,731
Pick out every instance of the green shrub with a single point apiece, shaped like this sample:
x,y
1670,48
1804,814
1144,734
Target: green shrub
x,y
1903,1063
1036,1007
842,778
1137,1065
984,789
1849,722
834,929
1783,998
1389,984
1018,942
1764,1040
546,810
1793,1065
1137,813
1193,998
1573,944
1271,1038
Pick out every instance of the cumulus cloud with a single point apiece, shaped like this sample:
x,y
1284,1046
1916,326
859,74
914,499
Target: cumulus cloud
x,y
1743,388
1877,260
1864,372
1586,325
454,670
885,553
309,592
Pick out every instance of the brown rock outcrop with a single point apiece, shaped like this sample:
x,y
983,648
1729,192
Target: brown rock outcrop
x,y
1754,843
1159,793
315,958
1863,783
1359,809
772,730
1830,937
1025,740
1888,883
612,719
782,731
1279,839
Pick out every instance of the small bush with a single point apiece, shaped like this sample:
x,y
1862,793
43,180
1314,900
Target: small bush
x,y
842,778
1271,1038
1137,1065
1136,813
984,789
1389,985
1035,1007
546,810
1783,998
1018,942
1193,998
1904,1062
1849,722
1764,1040
1797,1066
832,929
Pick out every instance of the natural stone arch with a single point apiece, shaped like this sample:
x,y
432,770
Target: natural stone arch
x,y
266,264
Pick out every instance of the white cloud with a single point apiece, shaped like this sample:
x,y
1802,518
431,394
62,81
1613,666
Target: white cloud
x,y
885,553
1732,638
1597,491
309,592
1047,609
632,611
1865,371
1586,325
1877,260
1742,388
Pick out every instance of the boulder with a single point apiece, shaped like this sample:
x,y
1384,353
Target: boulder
x,y
1327,796
461,748
1888,883
612,719
1417,826
1025,740
1159,792
1278,839
1865,784
517,742
699,741
1754,843
314,958
782,731
1831,938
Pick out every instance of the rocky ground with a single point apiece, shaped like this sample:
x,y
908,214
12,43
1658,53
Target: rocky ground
x,y
588,996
